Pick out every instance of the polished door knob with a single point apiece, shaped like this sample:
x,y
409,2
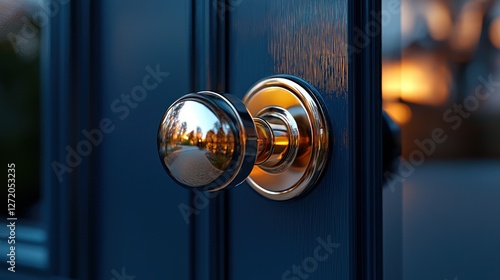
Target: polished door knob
x,y
277,139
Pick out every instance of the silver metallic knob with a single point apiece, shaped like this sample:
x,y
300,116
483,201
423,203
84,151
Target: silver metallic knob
x,y
208,141
277,139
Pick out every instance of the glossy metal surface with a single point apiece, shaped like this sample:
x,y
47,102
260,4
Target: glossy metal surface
x,y
207,141
292,105
210,141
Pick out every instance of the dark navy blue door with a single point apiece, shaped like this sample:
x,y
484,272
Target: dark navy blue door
x,y
146,54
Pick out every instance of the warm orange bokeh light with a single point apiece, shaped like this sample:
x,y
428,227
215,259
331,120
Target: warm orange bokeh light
x,y
468,28
399,112
438,20
495,33
391,80
421,80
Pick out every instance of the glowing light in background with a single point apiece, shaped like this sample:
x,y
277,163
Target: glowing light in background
x,y
421,80
444,46
399,112
438,20
468,28
494,33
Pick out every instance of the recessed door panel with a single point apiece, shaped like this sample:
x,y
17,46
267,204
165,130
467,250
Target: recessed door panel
x,y
318,235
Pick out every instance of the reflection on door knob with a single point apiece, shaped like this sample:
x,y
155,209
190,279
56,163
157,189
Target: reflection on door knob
x,y
277,139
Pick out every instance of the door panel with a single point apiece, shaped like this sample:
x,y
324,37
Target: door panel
x,y
303,38
278,239
138,222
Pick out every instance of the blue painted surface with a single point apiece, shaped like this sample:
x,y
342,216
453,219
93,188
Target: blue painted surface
x,y
139,225
268,238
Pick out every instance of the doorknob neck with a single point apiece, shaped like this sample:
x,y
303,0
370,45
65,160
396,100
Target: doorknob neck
x,y
277,140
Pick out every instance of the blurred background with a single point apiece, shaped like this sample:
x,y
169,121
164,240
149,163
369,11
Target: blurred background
x,y
441,70
441,74
448,49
